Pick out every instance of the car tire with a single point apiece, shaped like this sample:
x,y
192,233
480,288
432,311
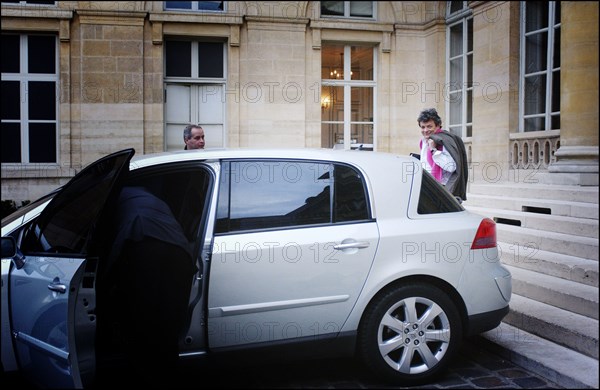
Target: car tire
x,y
409,334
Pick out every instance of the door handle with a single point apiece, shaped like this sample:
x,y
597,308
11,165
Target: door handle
x,y
352,245
57,287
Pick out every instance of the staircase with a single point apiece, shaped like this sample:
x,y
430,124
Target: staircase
x,y
548,239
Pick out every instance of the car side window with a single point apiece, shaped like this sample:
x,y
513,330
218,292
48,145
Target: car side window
x,y
350,195
271,194
435,199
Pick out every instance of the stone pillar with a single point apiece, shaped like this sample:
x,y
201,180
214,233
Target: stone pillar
x,y
495,91
578,152
107,82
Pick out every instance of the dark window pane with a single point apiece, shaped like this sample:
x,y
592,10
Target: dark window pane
x,y
456,73
535,124
470,35
456,40
178,5
350,201
470,70
434,198
210,5
455,6
535,95
42,142
11,100
455,100
555,91
536,52
557,13
469,106
10,53
555,122
222,224
269,194
361,8
179,59
41,51
42,100
536,15
210,59
335,8
11,142
556,57
457,130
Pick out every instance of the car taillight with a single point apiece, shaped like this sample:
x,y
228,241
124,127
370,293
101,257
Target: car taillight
x,y
486,235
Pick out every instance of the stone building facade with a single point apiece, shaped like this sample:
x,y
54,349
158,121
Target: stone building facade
x,y
131,74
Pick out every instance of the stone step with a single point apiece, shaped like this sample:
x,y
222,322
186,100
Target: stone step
x,y
575,269
559,364
554,223
543,177
574,331
531,240
536,191
534,205
574,297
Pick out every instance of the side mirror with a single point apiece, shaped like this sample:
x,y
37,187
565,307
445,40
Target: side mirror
x,y
11,250
459,199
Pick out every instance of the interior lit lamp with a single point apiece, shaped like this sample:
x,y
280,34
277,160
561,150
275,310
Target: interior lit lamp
x,y
339,75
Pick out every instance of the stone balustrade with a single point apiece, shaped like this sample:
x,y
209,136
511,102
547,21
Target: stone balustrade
x,y
533,150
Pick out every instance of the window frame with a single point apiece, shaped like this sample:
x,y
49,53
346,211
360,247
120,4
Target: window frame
x,y
30,3
225,190
550,68
24,77
196,85
462,17
195,7
347,83
347,12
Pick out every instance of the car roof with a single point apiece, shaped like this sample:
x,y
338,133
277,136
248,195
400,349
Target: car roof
x,y
354,157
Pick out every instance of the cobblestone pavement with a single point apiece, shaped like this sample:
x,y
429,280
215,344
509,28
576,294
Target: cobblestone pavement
x,y
473,368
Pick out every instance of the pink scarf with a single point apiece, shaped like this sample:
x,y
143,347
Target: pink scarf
x,y
436,170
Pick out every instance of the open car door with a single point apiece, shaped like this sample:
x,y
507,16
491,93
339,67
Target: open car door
x,y
52,292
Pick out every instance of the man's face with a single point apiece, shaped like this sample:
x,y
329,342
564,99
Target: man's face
x,y
196,141
428,128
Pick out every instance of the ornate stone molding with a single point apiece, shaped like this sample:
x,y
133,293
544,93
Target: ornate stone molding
x,y
112,18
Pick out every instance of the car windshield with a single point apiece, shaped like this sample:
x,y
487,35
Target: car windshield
x,y
25,209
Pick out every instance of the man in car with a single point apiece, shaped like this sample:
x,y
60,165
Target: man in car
x,y
155,272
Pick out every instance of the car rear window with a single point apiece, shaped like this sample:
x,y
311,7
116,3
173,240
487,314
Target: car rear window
x,y
434,198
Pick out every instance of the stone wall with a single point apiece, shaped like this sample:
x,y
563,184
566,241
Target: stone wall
x,y
111,76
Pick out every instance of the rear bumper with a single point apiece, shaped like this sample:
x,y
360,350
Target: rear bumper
x,y
483,322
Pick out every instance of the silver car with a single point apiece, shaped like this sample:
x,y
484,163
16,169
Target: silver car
x,y
347,252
